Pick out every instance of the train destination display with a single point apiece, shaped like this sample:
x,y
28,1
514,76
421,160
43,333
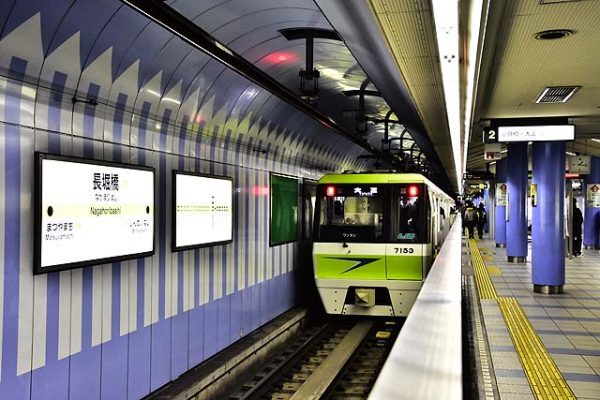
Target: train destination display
x,y
91,212
203,213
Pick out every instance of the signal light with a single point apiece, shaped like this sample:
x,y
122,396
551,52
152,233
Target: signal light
x,y
413,191
330,191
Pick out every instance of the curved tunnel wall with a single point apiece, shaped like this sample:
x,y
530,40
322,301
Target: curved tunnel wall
x,y
121,330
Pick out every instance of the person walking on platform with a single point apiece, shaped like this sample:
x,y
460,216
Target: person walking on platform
x,y
470,218
577,230
481,220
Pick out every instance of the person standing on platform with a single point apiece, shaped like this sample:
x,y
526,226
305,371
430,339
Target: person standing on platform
x,y
577,230
481,220
470,219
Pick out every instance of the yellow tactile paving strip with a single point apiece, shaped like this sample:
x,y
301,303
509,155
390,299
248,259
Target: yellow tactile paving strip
x,y
543,375
494,271
485,287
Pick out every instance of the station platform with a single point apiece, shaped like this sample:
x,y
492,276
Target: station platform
x,y
538,346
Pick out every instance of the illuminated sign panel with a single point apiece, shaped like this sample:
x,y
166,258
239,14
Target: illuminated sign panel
x,y
203,211
541,133
91,212
368,192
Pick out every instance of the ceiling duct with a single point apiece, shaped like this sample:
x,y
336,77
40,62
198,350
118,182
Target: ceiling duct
x,y
557,94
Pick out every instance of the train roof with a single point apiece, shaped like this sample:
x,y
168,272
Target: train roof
x,y
375,177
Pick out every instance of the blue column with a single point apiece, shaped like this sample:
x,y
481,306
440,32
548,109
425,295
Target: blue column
x,y
547,230
516,226
500,212
591,219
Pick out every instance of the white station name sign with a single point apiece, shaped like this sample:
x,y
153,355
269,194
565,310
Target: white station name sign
x,y
541,133
203,210
92,213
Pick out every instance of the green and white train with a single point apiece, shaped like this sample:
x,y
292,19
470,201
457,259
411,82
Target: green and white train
x,y
375,238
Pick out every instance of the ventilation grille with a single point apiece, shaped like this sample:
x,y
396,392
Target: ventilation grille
x,y
557,94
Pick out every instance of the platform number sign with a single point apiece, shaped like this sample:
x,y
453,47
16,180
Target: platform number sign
x,y
490,135
579,164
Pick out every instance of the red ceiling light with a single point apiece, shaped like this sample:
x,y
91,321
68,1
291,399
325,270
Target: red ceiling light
x,y
280,57
330,191
413,191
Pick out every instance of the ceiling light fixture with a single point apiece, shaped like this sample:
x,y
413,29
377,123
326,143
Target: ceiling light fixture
x,y
553,34
596,140
476,16
445,14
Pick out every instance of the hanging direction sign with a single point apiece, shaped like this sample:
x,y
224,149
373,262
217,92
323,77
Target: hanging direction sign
x,y
540,133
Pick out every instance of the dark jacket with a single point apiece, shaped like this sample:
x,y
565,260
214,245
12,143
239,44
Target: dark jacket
x,y
577,222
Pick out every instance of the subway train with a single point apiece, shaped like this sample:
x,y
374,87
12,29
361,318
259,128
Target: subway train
x,y
375,238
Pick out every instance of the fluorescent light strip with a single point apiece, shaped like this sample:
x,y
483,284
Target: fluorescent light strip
x,y
445,14
473,65
596,140
571,154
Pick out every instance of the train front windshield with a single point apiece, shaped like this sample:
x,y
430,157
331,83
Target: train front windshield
x,y
370,213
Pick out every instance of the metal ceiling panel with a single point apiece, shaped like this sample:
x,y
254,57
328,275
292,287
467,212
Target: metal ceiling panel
x,y
409,29
522,66
359,27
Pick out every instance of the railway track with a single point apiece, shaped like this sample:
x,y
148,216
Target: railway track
x,y
335,361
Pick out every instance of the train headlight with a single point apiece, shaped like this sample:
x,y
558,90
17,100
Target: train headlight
x,y
330,191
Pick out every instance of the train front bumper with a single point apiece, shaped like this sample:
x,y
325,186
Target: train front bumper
x,y
353,297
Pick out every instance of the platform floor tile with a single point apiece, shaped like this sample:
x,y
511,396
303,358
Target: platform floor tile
x,y
567,325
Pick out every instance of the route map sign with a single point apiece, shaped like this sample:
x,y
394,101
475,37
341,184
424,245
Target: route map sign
x,y
91,212
203,212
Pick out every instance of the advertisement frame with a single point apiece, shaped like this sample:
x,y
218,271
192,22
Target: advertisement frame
x,y
39,157
174,247
298,200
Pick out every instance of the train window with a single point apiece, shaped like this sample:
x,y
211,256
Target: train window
x,y
352,214
407,221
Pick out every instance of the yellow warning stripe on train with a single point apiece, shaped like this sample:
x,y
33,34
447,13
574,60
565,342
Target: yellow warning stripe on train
x,y
543,375
485,287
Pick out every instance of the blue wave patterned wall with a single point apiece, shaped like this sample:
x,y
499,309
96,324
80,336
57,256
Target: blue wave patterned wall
x,y
121,330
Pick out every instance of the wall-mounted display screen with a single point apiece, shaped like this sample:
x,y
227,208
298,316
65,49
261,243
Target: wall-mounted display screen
x,y
91,212
284,210
203,211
